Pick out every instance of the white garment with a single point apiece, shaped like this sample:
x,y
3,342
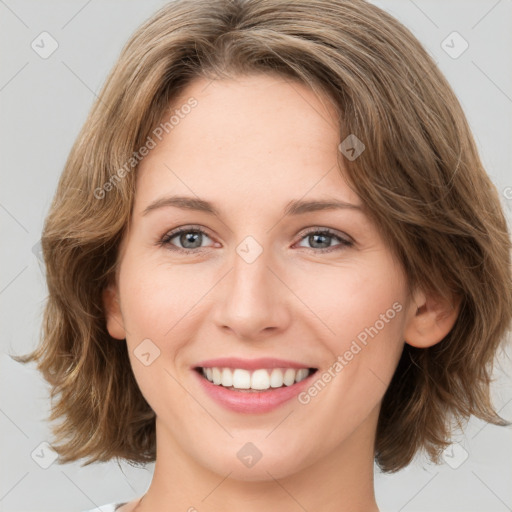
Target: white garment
x,y
111,507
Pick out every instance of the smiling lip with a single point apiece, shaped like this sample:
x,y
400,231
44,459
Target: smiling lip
x,y
250,364
251,402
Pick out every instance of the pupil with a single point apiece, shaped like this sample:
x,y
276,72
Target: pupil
x,y
320,236
189,237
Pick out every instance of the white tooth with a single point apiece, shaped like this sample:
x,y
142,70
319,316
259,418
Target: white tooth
x,y
276,378
289,376
217,376
241,379
227,377
260,379
301,374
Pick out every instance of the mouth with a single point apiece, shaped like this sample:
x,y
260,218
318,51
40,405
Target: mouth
x,y
253,381
252,386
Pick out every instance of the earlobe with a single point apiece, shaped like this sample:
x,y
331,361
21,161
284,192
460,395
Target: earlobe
x,y
113,316
430,319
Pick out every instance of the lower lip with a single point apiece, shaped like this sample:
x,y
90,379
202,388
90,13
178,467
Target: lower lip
x,y
252,402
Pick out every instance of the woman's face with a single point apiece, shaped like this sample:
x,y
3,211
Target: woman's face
x,y
253,281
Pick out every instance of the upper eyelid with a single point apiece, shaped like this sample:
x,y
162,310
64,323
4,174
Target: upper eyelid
x,y
303,233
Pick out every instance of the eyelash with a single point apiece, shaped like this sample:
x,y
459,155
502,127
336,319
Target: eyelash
x,y
166,240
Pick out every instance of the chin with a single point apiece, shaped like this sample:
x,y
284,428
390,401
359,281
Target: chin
x,y
247,463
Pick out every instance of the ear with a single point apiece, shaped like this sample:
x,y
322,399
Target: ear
x,y
113,316
430,320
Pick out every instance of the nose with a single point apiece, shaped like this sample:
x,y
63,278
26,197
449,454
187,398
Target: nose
x,y
252,302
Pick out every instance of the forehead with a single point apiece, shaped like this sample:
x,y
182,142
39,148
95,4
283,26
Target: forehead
x,y
252,138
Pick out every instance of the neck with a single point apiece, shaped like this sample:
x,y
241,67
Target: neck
x,y
341,481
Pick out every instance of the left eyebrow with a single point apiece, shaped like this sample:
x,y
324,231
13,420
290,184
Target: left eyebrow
x,y
294,207
297,207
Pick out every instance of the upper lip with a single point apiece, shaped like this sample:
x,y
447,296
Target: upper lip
x,y
250,364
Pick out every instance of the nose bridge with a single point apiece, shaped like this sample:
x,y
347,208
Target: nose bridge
x,y
252,301
250,280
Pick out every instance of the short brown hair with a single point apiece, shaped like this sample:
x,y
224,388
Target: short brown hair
x,y
420,178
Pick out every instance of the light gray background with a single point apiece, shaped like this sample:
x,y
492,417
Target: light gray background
x,y
44,102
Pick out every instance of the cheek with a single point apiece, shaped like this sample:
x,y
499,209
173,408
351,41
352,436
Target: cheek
x,y
155,303
161,305
156,296
350,299
363,309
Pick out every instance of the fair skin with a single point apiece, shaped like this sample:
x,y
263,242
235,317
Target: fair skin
x,y
251,145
